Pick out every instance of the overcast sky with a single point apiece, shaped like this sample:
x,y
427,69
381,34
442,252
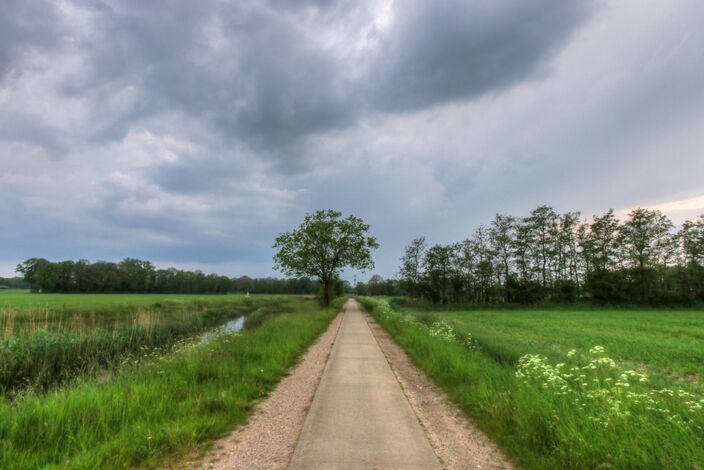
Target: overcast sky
x,y
191,133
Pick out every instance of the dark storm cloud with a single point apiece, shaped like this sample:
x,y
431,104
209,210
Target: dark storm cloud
x,y
251,72
196,131
20,127
447,50
24,26
258,73
320,4
290,87
28,29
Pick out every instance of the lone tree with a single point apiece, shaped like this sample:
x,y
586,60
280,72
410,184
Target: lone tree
x,y
322,246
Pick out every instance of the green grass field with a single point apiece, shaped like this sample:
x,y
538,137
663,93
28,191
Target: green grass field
x,y
76,336
22,311
154,410
667,345
50,346
24,300
530,381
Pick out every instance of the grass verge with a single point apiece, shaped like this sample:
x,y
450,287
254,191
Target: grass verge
x,y
159,410
573,414
40,359
33,302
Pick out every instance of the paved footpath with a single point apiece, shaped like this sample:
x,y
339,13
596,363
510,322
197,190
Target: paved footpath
x,y
360,418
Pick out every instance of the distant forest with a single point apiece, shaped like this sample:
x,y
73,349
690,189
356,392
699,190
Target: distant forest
x,y
377,285
14,282
137,276
543,257
551,257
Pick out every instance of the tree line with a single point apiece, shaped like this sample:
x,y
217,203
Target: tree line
x,y
377,285
14,282
552,257
138,276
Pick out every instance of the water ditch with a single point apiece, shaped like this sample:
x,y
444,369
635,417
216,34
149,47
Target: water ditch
x,y
232,326
41,359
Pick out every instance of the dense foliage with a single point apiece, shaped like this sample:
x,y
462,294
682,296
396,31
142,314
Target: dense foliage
x,y
377,285
554,257
13,283
137,276
324,244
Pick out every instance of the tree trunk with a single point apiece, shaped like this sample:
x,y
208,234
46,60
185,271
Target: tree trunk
x,y
326,293
642,279
507,295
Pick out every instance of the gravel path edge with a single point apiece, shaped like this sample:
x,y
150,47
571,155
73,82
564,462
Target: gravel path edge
x,y
268,439
457,442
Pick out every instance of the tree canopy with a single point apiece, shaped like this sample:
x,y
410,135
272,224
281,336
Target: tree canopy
x,y
552,257
323,245
138,276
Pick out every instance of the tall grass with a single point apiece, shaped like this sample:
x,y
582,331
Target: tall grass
x,y
579,410
40,358
82,315
25,300
160,409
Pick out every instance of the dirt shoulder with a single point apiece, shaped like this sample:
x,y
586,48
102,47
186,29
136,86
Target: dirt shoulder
x,y
456,441
268,440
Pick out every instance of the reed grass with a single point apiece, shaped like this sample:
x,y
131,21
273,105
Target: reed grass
x,y
158,411
51,348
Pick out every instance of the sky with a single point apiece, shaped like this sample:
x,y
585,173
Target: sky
x,y
192,133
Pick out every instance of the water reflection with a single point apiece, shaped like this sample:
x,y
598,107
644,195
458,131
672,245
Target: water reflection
x,y
233,326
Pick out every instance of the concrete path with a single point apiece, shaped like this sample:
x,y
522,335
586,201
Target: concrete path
x,y
360,418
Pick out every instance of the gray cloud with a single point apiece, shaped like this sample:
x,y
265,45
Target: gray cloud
x,y
20,127
25,26
250,71
446,50
260,76
193,132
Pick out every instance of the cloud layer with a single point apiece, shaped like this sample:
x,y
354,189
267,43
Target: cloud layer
x,y
192,132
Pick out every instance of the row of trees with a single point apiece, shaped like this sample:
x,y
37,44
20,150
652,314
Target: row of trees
x,y
548,256
137,276
272,285
14,282
377,285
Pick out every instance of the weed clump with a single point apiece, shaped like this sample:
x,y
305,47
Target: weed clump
x,y
594,384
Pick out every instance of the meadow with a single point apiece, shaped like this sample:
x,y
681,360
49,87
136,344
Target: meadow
x,y
22,311
146,386
46,341
24,300
561,388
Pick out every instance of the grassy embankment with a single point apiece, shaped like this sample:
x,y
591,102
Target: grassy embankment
x,y
162,407
22,311
568,389
43,346
23,300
